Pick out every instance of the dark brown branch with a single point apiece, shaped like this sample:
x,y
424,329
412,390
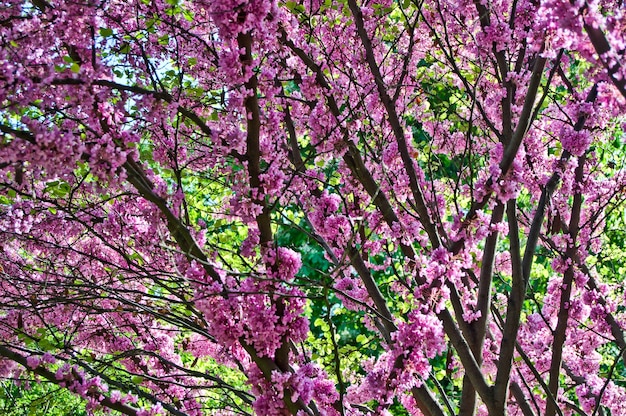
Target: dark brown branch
x,y
396,127
51,377
484,286
470,365
263,220
546,196
483,305
521,400
20,134
374,293
513,146
525,118
503,69
597,407
602,47
560,332
614,326
527,361
355,163
513,314
180,233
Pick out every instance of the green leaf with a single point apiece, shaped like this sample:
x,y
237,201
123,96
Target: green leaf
x,y
106,32
46,345
137,379
164,40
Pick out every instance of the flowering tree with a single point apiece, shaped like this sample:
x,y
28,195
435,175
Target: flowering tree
x,y
316,208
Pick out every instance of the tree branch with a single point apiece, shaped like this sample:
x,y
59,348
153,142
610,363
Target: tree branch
x,y
51,377
513,314
396,127
560,332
